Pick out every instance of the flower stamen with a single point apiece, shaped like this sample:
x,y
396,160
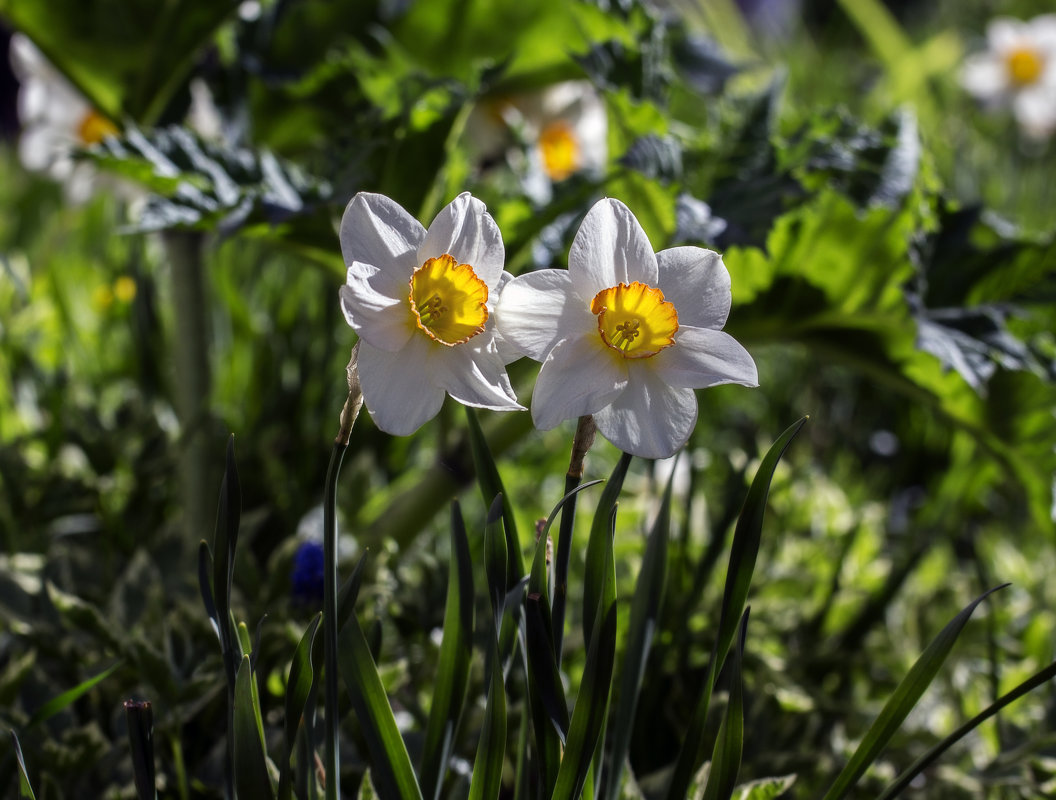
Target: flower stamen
x,y
635,320
448,300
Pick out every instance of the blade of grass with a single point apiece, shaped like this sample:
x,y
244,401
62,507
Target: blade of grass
x,y
299,688
594,576
729,745
490,483
903,781
140,719
495,562
251,769
592,703
64,700
390,764
25,790
743,553
456,648
905,697
645,612
331,750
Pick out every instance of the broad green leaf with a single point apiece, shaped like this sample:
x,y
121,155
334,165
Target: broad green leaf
x,y
904,779
729,744
390,764
743,553
251,769
64,700
25,790
299,687
645,611
490,487
456,648
128,57
905,697
592,702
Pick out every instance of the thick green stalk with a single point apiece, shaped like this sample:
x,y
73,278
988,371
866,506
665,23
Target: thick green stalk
x,y
192,375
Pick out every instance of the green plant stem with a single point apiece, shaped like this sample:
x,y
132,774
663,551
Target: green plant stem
x,y
332,761
191,374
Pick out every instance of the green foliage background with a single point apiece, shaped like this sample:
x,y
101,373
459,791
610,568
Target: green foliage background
x,y
893,260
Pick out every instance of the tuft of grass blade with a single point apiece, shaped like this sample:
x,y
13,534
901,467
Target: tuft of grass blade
x,y
487,766
495,561
299,687
729,745
391,769
905,697
645,613
452,677
595,576
592,703
251,768
67,698
743,553
903,781
25,790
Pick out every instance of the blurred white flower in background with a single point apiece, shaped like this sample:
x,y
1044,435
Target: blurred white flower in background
x,y
56,119
546,135
1018,70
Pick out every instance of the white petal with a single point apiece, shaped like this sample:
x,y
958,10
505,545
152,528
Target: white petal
x,y
579,377
1035,110
377,231
702,357
1043,32
610,248
698,284
650,419
465,230
39,148
984,76
537,310
475,375
397,387
1005,33
379,318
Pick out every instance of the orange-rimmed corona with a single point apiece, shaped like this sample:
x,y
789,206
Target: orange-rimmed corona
x,y
635,320
448,300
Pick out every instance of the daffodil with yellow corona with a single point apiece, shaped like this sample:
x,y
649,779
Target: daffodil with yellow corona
x,y
1019,70
422,302
625,334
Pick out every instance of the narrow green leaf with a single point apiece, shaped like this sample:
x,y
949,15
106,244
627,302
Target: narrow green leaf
x,y
729,745
349,592
225,538
64,700
491,486
251,769
299,687
331,748
902,701
491,748
456,647
903,781
765,788
495,562
25,790
743,553
205,586
390,764
645,612
594,576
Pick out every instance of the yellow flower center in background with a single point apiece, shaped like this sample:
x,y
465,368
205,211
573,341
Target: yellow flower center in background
x,y
125,289
448,300
94,127
635,320
1024,66
560,150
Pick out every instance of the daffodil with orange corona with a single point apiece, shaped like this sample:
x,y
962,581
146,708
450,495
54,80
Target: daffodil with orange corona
x,y
625,334
422,302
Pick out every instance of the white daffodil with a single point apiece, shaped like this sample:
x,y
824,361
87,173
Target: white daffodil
x,y
561,130
422,302
625,334
1018,69
56,119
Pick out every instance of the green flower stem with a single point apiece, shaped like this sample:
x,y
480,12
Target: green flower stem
x,y
581,443
354,402
192,376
